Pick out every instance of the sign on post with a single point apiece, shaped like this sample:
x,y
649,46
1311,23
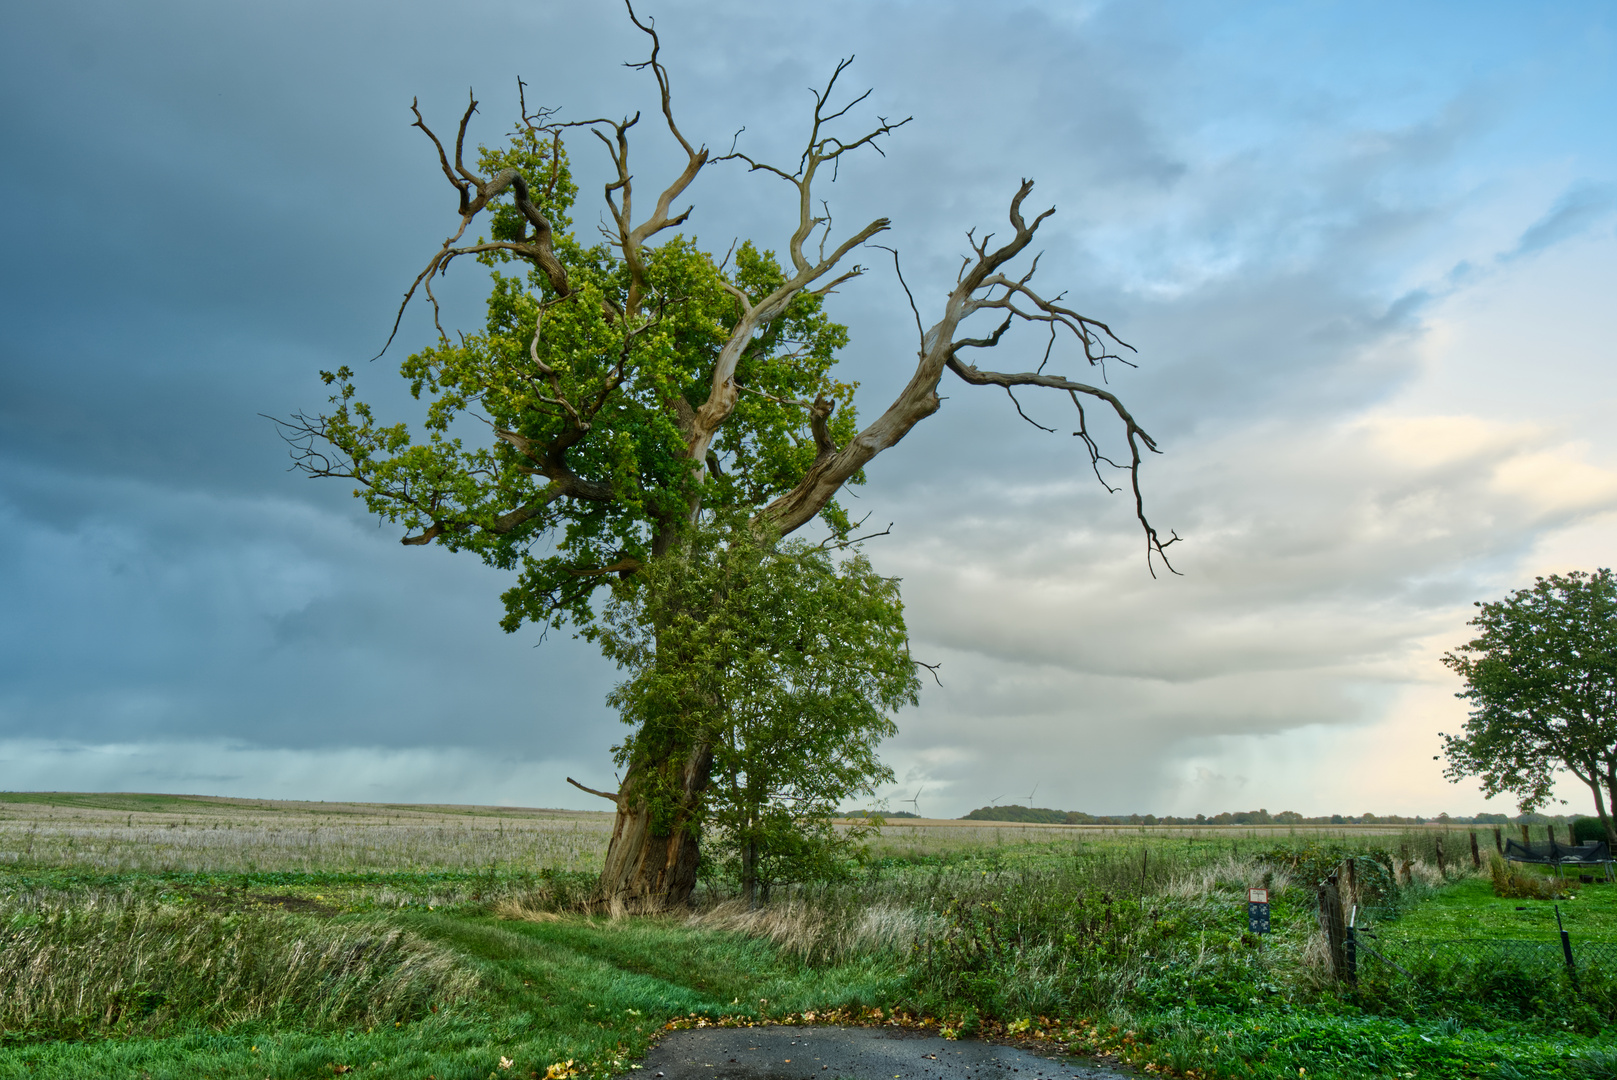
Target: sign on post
x,y
1257,910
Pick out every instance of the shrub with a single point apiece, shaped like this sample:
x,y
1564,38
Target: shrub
x,y
1513,883
1585,829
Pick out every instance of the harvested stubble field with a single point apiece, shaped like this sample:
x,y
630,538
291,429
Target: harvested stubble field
x,y
178,936
118,833
123,832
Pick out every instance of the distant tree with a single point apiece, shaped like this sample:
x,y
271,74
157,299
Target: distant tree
x,y
1034,815
785,660
1541,677
628,383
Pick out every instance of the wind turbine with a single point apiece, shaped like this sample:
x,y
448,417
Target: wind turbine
x,y
915,800
1030,795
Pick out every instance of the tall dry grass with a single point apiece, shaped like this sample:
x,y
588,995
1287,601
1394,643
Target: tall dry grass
x,y
87,964
799,925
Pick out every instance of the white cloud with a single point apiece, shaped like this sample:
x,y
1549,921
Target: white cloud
x,y
1327,566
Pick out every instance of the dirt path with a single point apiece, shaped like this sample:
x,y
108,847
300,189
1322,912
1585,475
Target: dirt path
x,y
832,1053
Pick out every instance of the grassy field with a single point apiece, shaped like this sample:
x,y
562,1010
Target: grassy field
x,y
1469,909
170,936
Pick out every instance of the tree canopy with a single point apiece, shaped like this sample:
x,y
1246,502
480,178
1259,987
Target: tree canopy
x,y
1541,677
624,390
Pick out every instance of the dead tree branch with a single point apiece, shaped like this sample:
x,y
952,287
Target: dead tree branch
x,y
982,285
603,794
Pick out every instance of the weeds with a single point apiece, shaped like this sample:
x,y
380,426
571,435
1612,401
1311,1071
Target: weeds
x,y
1512,883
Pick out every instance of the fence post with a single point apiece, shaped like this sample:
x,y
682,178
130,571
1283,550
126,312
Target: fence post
x,y
1476,854
1527,835
1442,864
1499,839
1332,925
1566,942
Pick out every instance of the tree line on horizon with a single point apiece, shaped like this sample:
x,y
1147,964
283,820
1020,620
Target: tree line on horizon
x,y
1045,816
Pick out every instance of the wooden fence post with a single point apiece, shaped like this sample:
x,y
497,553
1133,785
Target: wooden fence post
x,y
1499,839
1442,864
1333,926
1476,853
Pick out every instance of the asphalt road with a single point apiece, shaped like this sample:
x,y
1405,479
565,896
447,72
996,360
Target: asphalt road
x,y
833,1053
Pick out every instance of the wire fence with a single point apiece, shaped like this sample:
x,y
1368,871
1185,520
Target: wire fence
x,y
1416,957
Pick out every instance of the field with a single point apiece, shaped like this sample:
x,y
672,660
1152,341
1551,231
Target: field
x,y
1469,909
169,936
167,833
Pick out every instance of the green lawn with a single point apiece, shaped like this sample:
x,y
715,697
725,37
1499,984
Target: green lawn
x,y
1469,909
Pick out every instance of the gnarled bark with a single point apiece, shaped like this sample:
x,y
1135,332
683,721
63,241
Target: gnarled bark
x,y
652,858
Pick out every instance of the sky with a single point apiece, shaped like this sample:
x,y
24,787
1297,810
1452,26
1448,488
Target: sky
x,y
1366,252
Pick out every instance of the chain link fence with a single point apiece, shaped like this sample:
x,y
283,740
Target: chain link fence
x,y
1416,957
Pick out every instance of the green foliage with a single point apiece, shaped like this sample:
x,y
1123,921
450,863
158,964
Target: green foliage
x,y
1541,677
788,663
580,459
1034,815
1585,829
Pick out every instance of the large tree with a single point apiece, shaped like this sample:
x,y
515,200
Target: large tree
x,y
621,389
1541,677
789,659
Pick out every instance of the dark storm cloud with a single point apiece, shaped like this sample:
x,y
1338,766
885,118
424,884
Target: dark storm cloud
x,y
209,203
165,614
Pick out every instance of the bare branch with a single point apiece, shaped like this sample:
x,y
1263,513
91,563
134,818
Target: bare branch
x,y
831,543
920,330
605,795
539,250
982,285
625,565
1009,393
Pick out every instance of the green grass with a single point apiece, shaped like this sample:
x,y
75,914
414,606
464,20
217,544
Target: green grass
x,y
116,801
1124,942
586,989
1469,909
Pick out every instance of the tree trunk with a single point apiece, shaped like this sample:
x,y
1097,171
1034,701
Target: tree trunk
x,y
652,859
1609,820
749,872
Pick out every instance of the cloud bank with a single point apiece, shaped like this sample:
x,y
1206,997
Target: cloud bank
x,y
1366,284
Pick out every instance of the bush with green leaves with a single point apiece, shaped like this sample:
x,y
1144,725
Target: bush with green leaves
x,y
785,659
